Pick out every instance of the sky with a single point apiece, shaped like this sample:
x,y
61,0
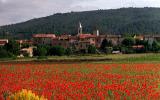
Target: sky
x,y
15,11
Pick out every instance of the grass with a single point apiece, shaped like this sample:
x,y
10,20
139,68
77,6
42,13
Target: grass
x,y
134,58
110,58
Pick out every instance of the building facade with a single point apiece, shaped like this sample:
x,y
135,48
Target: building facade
x,y
79,42
43,39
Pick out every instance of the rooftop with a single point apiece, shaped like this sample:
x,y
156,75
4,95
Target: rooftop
x,y
86,36
44,35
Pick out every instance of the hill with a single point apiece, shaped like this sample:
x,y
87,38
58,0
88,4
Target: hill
x,y
113,21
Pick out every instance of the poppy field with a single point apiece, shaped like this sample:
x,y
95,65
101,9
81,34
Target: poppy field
x,y
82,81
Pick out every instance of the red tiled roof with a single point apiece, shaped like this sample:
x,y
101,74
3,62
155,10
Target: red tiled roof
x,y
3,42
138,46
86,36
44,35
65,36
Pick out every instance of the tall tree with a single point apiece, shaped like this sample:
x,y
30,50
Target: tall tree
x,y
13,47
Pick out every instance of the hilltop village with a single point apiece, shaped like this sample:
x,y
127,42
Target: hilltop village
x,y
81,42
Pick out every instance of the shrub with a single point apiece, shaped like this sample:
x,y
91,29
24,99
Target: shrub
x,y
155,46
127,50
57,50
106,43
128,42
68,51
91,49
40,51
25,54
25,95
108,50
13,47
5,54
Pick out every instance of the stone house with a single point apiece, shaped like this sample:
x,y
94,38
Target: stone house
x,y
43,39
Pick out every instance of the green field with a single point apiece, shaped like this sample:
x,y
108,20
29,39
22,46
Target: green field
x,y
111,58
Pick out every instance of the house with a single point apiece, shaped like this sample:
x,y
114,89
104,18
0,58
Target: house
x,y
21,42
28,51
84,40
139,37
3,42
43,39
115,39
80,41
60,42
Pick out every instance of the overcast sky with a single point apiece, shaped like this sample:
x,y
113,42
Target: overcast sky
x,y
13,11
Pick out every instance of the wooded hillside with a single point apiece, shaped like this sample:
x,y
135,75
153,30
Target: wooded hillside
x,y
114,21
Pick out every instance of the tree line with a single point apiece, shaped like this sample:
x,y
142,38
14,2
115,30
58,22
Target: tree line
x,y
119,21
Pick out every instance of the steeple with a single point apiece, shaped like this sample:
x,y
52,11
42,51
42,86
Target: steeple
x,y
80,28
97,33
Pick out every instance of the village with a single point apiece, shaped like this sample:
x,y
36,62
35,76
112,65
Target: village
x,y
79,42
79,49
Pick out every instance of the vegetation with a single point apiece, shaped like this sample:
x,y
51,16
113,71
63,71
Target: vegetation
x,y
106,46
57,50
13,47
25,95
40,51
91,49
68,51
4,53
128,42
119,21
155,46
81,81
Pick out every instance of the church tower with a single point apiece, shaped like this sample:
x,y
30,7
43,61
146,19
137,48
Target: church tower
x,y
96,33
80,28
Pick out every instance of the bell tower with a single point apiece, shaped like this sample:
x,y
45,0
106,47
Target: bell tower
x,y
80,28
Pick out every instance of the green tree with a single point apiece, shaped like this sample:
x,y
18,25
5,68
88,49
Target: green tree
x,y
155,46
4,53
57,50
127,50
13,47
91,49
25,45
40,51
68,51
108,50
128,42
105,43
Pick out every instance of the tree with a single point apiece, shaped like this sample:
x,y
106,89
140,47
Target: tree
x,y
155,46
13,47
57,50
40,51
127,50
68,51
106,43
25,45
108,50
91,49
4,53
117,21
128,42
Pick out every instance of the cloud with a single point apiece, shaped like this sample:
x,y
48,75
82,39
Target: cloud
x,y
13,11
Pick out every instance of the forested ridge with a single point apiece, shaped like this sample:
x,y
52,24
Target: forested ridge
x,y
113,21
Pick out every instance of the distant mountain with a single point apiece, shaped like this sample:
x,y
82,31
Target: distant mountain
x,y
113,21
